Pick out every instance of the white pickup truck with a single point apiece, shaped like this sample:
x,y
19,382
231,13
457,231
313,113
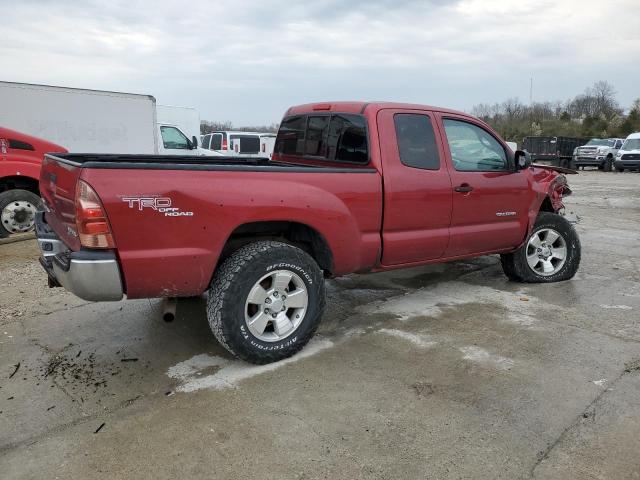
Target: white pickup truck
x,y
597,152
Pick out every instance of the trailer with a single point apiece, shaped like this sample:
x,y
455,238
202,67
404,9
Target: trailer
x,y
554,151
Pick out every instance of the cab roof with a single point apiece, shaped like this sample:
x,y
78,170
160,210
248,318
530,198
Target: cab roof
x,y
363,107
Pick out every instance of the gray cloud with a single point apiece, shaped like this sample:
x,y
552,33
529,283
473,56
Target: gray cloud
x,y
247,61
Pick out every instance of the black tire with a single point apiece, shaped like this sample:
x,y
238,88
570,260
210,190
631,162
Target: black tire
x,y
10,196
600,167
608,164
230,290
515,264
564,163
506,261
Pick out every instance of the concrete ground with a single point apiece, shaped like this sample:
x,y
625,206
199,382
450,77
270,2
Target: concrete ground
x,y
448,371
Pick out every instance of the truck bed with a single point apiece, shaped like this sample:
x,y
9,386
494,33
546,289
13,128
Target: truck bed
x,y
210,200
192,162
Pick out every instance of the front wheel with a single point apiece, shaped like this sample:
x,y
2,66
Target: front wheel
x,y
608,164
18,211
266,301
550,254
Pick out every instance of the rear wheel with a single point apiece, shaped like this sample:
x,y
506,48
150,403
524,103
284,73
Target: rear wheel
x,y
550,254
266,301
18,211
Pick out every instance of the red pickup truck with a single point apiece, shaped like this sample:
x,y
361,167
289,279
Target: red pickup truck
x,y
351,187
20,159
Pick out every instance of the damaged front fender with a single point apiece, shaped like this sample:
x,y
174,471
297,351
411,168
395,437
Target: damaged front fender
x,y
549,187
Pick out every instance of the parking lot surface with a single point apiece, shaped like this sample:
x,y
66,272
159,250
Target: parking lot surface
x,y
445,371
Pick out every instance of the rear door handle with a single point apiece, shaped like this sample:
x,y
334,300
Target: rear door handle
x,y
464,188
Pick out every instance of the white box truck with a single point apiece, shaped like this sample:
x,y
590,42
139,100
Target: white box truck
x,y
94,121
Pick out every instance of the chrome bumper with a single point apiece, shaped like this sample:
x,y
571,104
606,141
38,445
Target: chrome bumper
x,y
89,274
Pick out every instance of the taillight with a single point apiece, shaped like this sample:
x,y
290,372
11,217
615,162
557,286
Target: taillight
x,y
91,219
235,148
224,143
3,146
263,148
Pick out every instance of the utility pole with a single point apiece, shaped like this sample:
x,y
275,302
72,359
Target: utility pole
x,y
531,105
531,92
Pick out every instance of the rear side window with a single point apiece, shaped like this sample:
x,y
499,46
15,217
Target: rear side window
x,y
335,137
416,141
216,141
348,139
206,141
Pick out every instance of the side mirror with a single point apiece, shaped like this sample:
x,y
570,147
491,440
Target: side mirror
x,y
194,143
523,160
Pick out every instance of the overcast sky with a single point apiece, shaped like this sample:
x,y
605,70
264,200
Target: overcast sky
x,y
248,61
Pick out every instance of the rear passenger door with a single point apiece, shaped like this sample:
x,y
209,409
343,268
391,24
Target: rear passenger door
x,y
490,199
417,188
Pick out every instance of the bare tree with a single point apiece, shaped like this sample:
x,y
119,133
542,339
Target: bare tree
x,y
207,126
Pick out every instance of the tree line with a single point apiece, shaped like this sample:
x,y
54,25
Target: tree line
x,y
593,113
207,126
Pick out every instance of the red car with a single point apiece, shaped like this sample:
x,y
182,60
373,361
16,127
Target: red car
x,y
20,161
351,187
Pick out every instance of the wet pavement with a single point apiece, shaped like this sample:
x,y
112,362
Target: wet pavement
x,y
446,371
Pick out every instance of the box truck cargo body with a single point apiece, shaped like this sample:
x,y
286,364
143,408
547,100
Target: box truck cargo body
x,y
81,120
95,121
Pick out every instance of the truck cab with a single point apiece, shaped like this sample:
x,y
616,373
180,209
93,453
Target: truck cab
x,y
20,160
628,157
173,141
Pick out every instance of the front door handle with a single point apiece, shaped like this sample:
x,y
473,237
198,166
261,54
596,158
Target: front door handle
x,y
464,188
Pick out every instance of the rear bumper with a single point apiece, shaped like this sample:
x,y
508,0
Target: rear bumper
x,y
89,274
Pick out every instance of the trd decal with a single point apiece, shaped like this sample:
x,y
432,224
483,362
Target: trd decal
x,y
506,214
158,204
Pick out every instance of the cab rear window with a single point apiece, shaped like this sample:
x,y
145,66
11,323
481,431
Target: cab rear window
x,y
334,137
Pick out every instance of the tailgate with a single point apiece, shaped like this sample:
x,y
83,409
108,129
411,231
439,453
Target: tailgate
x,y
58,180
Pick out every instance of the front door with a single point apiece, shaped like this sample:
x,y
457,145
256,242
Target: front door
x,y
417,188
490,198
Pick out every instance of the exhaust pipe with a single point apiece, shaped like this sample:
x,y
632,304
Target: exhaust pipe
x,y
169,305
